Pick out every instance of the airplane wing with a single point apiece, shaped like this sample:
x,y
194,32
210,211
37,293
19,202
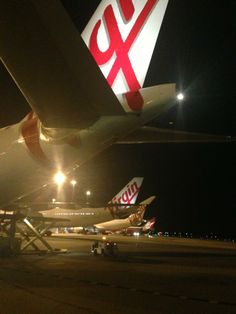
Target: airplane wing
x,y
53,67
149,135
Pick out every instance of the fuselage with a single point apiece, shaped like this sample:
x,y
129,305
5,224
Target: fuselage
x,y
85,217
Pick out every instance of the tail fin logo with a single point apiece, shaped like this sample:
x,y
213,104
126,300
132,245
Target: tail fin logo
x,y
150,224
128,195
119,47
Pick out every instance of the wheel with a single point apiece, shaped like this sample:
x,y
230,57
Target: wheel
x,y
95,253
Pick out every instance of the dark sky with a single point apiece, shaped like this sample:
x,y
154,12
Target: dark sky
x,y
195,184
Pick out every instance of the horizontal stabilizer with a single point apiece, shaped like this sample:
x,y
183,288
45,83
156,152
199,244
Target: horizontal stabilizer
x,y
148,200
149,135
51,65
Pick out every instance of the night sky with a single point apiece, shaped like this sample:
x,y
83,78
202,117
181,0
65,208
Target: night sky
x,y
194,184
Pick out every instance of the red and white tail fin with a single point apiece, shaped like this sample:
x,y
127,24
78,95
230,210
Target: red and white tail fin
x,y
129,194
150,224
137,218
121,36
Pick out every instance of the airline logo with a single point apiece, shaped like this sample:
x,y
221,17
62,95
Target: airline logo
x,y
150,224
137,217
121,36
127,196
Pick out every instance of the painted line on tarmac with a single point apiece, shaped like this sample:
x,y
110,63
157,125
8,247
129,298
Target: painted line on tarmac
x,y
131,289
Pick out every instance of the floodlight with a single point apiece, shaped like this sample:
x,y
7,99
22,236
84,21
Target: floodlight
x,y
59,178
180,96
73,182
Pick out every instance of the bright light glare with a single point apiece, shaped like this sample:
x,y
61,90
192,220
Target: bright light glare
x,y
59,178
73,182
20,140
180,96
88,193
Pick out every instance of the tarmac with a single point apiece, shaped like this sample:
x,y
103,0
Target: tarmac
x,y
149,275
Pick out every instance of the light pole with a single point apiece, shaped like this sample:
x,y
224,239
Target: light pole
x,y
88,194
73,183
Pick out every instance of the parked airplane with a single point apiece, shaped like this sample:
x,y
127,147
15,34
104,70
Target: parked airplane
x,y
143,229
76,115
133,219
112,216
101,218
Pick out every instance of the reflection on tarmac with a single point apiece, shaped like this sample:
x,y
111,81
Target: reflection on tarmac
x,y
157,275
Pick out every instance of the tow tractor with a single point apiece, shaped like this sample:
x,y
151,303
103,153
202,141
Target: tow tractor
x,y
104,248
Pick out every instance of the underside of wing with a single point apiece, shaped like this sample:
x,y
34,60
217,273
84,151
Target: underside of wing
x,y
51,65
151,135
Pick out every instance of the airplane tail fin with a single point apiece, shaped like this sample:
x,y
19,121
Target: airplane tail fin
x,y
129,194
121,36
137,218
149,225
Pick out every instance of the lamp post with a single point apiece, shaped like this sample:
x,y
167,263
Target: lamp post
x,y
73,182
88,194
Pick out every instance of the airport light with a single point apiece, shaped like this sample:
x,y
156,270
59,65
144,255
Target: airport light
x,y
180,96
20,140
73,182
59,178
88,194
